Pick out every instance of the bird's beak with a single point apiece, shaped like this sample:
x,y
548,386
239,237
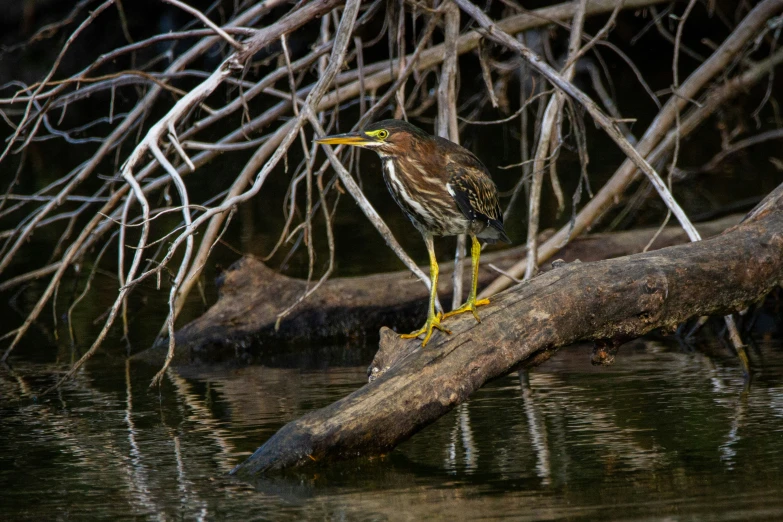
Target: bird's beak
x,y
357,139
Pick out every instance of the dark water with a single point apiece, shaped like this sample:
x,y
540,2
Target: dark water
x,y
665,433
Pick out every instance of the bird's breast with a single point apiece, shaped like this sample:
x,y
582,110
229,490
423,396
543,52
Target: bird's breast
x,y
424,199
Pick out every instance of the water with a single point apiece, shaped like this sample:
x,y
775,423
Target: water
x,y
664,433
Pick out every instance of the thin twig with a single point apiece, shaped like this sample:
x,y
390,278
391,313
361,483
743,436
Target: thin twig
x,y
549,131
603,199
447,124
209,23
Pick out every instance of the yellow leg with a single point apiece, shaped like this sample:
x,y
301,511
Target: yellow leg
x,y
471,304
433,319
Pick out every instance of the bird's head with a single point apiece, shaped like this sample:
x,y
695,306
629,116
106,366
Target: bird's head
x,y
387,137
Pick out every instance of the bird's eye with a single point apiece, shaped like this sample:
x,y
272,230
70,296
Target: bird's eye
x,y
383,134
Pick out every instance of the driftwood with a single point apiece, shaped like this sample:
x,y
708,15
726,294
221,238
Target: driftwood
x,y
607,301
252,295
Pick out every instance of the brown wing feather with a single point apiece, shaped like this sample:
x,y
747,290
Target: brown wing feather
x,y
474,191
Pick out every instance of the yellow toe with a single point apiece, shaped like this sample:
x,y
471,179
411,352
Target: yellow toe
x,y
433,322
469,306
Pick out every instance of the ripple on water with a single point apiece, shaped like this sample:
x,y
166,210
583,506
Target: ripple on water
x,y
661,432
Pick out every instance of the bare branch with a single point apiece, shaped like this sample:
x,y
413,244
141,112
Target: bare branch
x,y
714,66
198,14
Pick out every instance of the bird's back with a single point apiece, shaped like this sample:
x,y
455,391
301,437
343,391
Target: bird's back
x,y
445,190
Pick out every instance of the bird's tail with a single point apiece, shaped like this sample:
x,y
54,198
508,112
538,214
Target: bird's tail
x,y
494,232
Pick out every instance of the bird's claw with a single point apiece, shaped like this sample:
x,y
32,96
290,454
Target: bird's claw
x,y
433,321
469,306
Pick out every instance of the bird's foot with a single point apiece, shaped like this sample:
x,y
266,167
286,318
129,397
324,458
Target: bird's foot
x,y
433,321
470,306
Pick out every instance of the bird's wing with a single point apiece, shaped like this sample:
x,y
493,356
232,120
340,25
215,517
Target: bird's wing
x,y
474,192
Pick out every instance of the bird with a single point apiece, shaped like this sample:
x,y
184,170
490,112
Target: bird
x,y
443,189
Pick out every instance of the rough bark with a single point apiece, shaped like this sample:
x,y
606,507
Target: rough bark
x,y
606,300
252,295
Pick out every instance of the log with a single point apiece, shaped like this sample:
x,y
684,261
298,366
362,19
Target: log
x,y
611,301
252,295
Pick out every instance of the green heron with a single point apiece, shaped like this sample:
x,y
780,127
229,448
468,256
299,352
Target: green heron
x,y
442,188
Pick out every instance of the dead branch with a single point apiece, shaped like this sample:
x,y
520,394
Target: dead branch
x,y
244,317
615,300
748,29
549,140
447,126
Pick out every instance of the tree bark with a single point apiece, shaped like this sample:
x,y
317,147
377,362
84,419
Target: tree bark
x,y
608,301
252,295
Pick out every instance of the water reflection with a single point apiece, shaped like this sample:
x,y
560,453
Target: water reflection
x,y
536,427
660,432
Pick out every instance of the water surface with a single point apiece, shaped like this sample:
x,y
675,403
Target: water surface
x,y
664,433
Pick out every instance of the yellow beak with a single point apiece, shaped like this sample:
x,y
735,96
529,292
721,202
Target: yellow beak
x,y
351,138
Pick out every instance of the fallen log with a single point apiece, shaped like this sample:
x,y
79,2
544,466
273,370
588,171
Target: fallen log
x,y
252,295
608,301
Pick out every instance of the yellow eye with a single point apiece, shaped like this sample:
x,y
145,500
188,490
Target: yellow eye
x,y
383,134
